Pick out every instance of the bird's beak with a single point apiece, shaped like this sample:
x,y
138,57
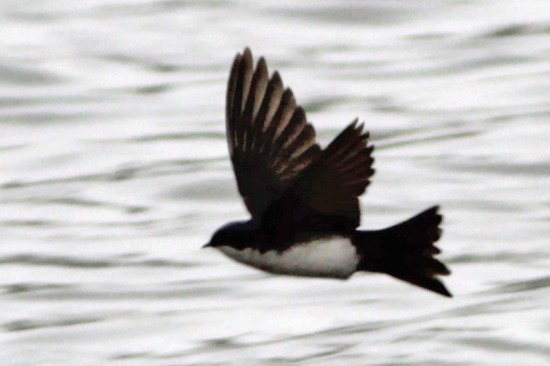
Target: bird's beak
x,y
206,245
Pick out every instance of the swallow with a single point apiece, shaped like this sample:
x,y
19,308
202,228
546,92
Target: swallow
x,y
304,200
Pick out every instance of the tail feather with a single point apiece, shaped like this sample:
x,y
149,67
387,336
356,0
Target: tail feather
x,y
405,251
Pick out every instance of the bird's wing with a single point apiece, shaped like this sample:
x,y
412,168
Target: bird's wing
x,y
325,196
270,141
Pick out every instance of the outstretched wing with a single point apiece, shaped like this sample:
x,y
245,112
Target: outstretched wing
x,y
270,141
325,197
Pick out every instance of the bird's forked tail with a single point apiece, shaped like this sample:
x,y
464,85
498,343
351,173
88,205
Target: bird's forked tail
x,y
406,251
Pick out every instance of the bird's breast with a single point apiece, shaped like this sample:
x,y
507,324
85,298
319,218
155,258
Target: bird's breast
x,y
333,257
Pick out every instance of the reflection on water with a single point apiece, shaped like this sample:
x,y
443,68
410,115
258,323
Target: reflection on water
x,y
115,172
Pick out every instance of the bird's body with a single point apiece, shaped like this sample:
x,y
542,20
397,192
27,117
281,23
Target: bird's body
x,y
304,199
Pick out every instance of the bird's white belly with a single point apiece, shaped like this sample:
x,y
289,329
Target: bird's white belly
x,y
334,257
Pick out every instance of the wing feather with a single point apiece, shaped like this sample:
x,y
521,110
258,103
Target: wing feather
x,y
265,133
288,184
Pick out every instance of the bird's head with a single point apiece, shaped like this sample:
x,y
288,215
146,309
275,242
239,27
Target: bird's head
x,y
219,238
235,234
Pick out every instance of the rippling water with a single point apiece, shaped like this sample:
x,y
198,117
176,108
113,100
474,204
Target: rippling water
x,y
115,172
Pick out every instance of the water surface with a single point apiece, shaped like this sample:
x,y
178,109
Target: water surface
x,y
115,172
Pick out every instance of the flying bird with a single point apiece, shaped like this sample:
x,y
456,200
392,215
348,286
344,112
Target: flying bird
x,y
304,200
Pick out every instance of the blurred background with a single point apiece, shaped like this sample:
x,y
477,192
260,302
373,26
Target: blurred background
x,y
114,172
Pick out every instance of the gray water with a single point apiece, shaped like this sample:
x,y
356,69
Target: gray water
x,y
114,172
